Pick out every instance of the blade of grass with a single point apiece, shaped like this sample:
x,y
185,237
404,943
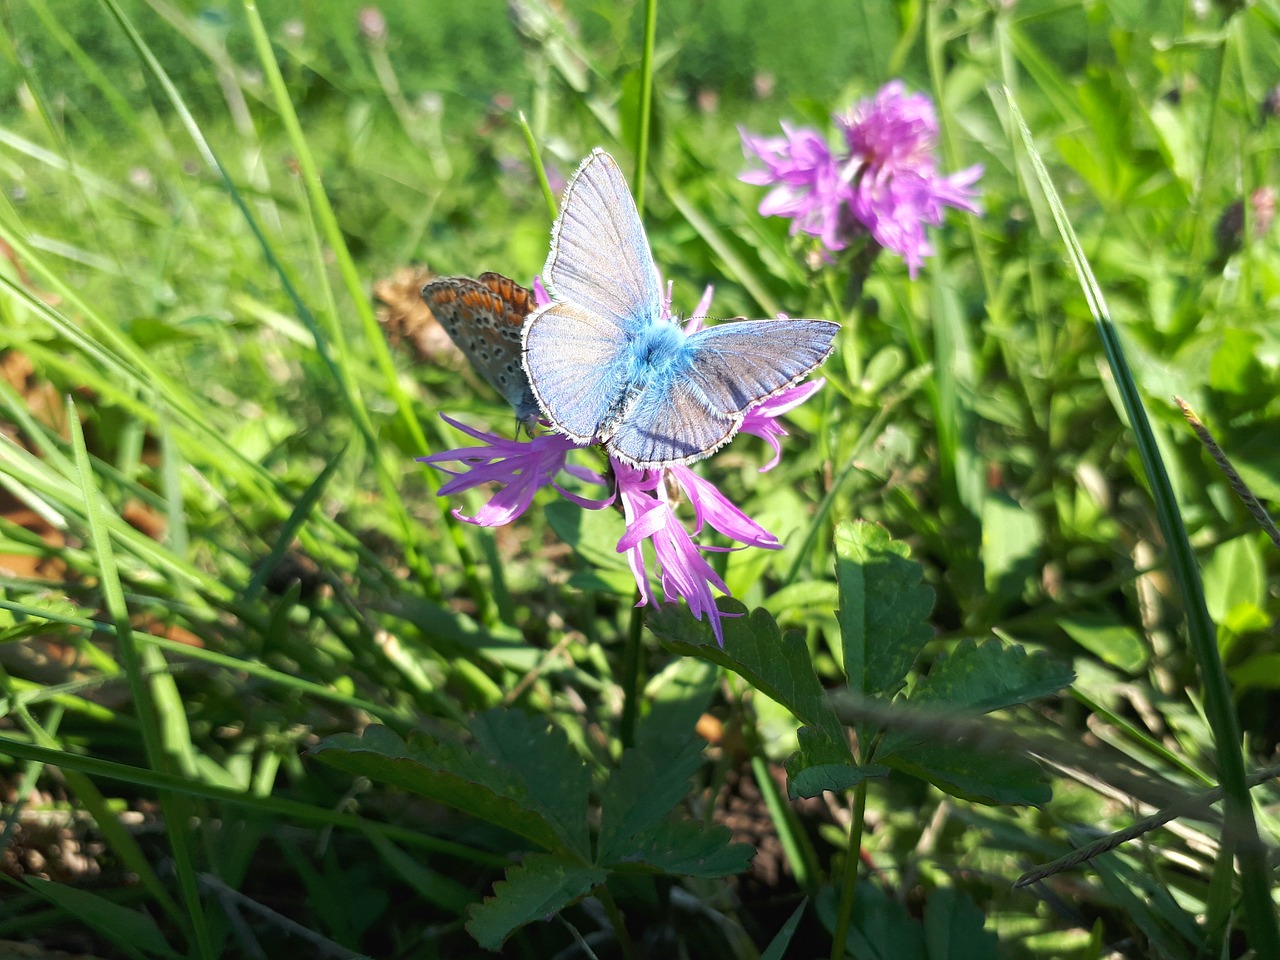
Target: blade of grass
x,y
1241,833
293,809
232,664
177,814
646,101
540,171
296,519
373,337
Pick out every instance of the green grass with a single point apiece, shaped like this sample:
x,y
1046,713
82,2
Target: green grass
x,y
221,552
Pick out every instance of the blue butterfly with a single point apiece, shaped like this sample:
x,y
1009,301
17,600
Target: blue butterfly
x,y
605,365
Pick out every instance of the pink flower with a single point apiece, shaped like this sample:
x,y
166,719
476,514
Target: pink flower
x,y
884,183
521,467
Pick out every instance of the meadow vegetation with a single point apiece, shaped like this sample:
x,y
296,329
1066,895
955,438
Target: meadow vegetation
x,y
263,693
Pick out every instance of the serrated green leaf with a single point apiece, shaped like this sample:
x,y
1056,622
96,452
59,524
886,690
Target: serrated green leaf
x,y
755,649
132,930
953,928
977,776
976,679
539,887
520,774
690,849
822,764
884,607
818,778
649,782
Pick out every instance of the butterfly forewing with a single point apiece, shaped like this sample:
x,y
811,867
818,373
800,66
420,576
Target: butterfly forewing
x,y
599,255
603,362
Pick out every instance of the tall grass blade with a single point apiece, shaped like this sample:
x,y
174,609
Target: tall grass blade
x,y
1241,833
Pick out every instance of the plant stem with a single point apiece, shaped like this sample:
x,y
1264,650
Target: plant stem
x,y
632,682
646,99
849,881
619,926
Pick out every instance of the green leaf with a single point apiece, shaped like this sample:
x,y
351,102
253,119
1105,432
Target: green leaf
x,y
431,886
648,784
755,649
1103,635
690,849
519,774
678,697
593,534
884,607
1261,671
822,763
978,679
539,887
1234,575
953,929
880,928
977,776
1011,540
132,930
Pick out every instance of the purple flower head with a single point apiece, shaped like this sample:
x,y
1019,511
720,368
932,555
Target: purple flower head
x,y
520,468
805,179
883,182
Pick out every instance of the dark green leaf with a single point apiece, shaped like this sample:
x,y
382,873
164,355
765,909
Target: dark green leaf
x,y
977,776
822,763
881,928
519,774
688,848
649,782
538,888
884,607
953,928
777,948
754,648
978,679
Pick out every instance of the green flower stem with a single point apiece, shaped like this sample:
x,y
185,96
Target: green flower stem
x,y
849,882
611,910
632,682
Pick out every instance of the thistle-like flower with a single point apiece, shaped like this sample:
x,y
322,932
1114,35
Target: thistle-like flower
x,y
882,182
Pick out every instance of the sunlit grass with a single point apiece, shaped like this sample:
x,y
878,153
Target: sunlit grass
x,y
222,550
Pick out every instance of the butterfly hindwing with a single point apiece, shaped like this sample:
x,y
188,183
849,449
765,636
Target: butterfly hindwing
x,y
484,319
737,365
578,365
